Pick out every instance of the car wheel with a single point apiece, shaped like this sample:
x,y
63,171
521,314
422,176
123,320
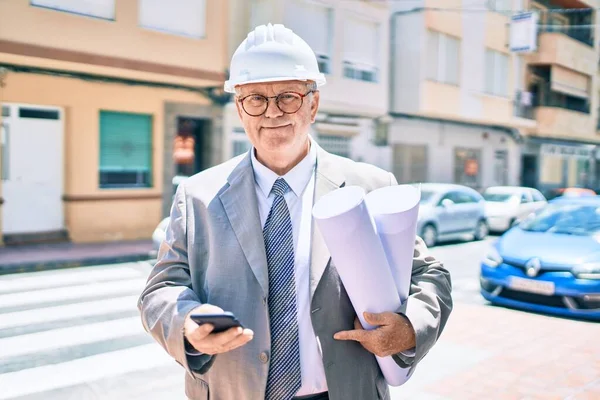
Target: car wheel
x,y
429,235
481,231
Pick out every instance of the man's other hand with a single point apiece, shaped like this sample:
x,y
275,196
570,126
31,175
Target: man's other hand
x,y
201,338
394,334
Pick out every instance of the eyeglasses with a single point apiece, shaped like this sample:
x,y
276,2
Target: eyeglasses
x,y
256,105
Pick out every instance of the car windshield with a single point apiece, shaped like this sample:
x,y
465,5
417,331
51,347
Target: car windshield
x,y
567,219
426,196
498,197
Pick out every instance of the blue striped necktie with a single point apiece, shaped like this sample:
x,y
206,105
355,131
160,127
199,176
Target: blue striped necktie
x,y
284,378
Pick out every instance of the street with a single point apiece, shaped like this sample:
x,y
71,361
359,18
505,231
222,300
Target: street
x,y
76,334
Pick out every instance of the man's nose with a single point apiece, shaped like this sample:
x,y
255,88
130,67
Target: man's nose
x,y
272,110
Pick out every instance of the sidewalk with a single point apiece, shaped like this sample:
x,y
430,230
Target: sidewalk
x,y
37,257
489,352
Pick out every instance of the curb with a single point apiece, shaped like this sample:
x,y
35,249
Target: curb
x,y
17,268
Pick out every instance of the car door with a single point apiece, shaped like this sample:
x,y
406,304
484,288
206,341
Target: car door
x,y
446,210
468,211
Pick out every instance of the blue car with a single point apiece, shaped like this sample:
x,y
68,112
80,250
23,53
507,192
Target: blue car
x,y
550,262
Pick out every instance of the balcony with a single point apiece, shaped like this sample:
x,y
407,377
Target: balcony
x,y
561,123
570,50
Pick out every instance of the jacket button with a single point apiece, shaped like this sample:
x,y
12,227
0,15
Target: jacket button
x,y
264,357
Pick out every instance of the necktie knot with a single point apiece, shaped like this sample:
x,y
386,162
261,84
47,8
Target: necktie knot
x,y
280,187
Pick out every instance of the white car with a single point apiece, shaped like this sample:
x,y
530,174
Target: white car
x,y
506,205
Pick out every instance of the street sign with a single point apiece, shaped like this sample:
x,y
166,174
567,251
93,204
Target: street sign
x,y
523,32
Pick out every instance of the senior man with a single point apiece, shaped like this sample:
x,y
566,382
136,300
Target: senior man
x,y
242,239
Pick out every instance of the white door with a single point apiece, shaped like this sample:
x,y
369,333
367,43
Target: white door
x,y
32,173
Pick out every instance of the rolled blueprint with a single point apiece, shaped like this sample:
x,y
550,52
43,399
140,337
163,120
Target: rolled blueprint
x,y
349,232
395,210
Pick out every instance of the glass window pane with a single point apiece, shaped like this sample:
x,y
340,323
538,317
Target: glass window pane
x,y
93,8
180,17
489,71
452,59
433,45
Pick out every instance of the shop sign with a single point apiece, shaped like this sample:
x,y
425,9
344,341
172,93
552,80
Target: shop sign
x,y
565,151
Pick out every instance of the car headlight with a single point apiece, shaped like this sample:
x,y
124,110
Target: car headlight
x,y
587,271
492,258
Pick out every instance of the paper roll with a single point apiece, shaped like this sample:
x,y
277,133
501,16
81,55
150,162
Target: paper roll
x,y
355,247
395,210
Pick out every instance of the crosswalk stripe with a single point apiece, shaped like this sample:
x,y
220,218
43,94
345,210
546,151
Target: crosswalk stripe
x,y
71,311
72,293
65,337
38,280
49,377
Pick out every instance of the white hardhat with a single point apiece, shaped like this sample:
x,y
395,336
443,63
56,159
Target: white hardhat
x,y
272,53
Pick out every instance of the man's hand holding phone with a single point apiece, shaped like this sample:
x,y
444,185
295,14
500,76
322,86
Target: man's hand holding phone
x,y
202,337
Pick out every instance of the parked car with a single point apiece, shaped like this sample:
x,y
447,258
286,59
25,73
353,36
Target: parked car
x,y
450,212
550,262
160,231
569,192
505,205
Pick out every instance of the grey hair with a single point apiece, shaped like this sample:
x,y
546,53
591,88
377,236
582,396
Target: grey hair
x,y
310,86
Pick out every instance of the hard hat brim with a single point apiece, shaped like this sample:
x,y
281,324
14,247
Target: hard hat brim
x,y
230,85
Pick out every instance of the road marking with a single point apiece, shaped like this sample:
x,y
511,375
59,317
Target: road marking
x,y
71,311
81,292
55,376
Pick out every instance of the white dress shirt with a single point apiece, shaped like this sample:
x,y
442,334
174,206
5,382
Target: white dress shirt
x,y
299,200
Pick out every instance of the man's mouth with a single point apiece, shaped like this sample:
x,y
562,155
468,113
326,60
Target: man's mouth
x,y
276,127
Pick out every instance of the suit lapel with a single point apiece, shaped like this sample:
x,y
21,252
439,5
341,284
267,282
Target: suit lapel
x,y
241,207
328,178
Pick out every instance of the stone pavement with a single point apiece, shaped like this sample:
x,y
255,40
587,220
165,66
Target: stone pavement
x,y
489,352
37,257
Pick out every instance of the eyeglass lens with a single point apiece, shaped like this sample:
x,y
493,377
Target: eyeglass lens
x,y
256,104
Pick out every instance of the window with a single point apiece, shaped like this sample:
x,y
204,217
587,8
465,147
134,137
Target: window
x,y
525,198
104,9
499,5
178,17
496,73
443,58
361,46
317,33
467,170
339,145
410,163
537,196
125,150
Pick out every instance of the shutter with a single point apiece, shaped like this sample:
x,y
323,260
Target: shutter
x,y
181,17
125,142
452,50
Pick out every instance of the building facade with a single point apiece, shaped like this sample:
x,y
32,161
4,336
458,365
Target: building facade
x,y
561,77
453,90
351,42
103,104
469,111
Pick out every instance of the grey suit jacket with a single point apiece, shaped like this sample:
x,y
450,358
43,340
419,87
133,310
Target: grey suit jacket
x,y
214,253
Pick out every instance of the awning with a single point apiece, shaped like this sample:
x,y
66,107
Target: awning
x,y
569,82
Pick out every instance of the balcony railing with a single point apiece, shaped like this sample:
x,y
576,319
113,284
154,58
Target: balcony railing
x,y
585,36
545,97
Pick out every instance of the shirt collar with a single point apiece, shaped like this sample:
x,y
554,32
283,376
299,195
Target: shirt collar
x,y
297,178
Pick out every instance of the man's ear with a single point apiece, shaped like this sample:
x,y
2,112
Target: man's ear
x,y
238,106
314,105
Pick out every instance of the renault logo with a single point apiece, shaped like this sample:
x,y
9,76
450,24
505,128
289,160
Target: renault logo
x,y
533,266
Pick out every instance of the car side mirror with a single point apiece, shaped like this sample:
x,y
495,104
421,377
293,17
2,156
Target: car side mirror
x,y
446,203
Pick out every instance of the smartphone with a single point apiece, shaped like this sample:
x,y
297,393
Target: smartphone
x,y
221,322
